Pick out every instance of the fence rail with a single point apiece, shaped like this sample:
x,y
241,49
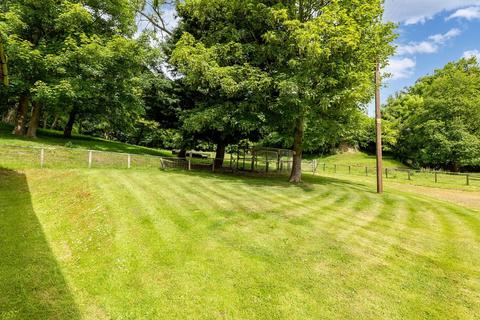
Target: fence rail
x,y
71,158
20,157
443,177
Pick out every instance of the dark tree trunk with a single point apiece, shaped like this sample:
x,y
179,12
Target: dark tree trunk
x,y
19,128
140,136
296,175
182,153
67,133
220,154
34,120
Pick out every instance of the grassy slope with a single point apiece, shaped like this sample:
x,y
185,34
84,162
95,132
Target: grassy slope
x,y
148,244
360,159
51,138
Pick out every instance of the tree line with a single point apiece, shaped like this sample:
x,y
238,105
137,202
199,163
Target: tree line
x,y
436,122
292,73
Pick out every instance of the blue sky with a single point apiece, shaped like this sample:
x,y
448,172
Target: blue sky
x,y
431,34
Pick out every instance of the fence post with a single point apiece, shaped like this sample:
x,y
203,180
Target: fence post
x,y
314,166
213,164
436,178
190,161
90,158
386,173
129,161
162,165
468,179
42,157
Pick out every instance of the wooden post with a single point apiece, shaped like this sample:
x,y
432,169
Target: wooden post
x,y
129,161
468,179
42,157
436,178
189,161
386,173
314,167
162,165
213,164
378,129
90,159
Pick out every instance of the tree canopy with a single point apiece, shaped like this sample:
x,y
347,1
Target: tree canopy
x,y
436,122
287,62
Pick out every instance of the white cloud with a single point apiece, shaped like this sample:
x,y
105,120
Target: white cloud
x,y
420,11
470,13
400,68
442,38
472,53
417,47
432,45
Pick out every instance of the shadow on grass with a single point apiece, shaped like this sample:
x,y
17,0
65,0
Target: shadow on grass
x,y
31,283
307,185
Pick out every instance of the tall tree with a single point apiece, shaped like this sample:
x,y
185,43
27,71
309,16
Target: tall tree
x,y
436,122
289,61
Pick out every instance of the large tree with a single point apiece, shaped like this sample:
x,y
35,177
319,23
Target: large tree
x,y
436,122
40,38
289,61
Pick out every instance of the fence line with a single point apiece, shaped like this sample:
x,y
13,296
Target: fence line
x,y
399,173
62,157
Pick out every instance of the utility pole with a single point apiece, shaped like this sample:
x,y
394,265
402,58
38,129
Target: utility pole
x,y
378,129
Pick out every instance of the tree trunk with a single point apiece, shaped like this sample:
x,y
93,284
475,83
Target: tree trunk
x,y
220,154
54,123
140,136
45,120
34,120
296,175
67,133
182,153
19,128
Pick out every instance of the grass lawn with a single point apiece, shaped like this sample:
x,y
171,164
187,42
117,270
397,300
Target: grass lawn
x,y
359,159
51,138
101,244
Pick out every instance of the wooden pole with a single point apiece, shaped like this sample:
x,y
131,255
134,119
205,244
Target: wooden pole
x,y
378,129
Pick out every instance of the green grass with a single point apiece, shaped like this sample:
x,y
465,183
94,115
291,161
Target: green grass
x,y
51,138
359,159
101,244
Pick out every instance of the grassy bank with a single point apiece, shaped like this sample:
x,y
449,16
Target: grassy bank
x,y
51,138
99,244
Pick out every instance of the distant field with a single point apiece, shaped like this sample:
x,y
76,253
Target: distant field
x,y
101,244
51,138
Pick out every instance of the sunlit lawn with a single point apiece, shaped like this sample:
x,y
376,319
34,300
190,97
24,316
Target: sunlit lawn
x,y
101,244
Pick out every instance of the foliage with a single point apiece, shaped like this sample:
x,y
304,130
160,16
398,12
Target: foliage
x,y
436,122
289,62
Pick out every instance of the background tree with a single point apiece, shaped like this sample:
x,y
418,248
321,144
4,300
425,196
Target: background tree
x,y
436,122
